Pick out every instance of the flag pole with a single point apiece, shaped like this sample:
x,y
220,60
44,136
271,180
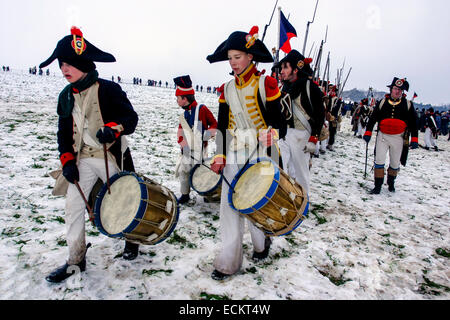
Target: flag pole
x,y
278,42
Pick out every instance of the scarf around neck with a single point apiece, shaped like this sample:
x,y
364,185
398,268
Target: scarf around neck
x,y
66,100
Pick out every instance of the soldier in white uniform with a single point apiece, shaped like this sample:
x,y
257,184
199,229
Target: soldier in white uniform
x,y
248,106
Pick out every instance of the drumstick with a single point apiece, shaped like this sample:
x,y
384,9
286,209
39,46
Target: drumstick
x,y
91,214
106,166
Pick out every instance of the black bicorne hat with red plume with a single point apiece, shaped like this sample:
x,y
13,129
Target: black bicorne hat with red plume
x,y
399,83
297,60
243,41
75,50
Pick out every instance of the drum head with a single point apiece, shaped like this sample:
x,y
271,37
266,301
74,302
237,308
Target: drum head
x,y
115,212
204,180
258,181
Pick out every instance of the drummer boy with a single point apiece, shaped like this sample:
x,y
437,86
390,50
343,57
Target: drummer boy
x,y
92,112
197,125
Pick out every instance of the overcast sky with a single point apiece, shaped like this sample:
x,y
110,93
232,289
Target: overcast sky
x,y
160,40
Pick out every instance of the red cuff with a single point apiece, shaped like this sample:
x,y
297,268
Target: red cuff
x,y
112,125
65,157
368,133
414,139
313,139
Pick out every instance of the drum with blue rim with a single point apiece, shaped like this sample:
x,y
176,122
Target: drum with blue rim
x,y
269,197
206,182
137,209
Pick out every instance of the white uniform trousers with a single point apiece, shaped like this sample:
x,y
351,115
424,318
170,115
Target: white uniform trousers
x,y
429,139
90,169
295,160
361,129
232,225
392,143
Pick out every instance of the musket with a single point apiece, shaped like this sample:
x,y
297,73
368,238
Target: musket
x,y
316,65
270,21
307,28
365,166
312,47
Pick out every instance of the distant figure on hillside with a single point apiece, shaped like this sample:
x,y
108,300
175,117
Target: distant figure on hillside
x,y
397,121
444,123
431,130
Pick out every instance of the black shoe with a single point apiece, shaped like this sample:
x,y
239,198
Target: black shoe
x,y
427,148
131,251
183,199
391,188
436,148
65,271
376,190
262,255
217,275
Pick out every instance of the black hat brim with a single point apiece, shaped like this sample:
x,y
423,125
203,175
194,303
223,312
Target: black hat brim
x,y
64,51
236,41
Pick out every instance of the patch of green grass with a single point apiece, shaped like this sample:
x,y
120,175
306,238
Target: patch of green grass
x,y
433,288
251,270
12,232
59,219
443,252
177,239
315,209
39,219
61,242
207,296
152,272
337,281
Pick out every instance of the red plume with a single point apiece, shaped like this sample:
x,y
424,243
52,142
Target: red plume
x,y
76,31
307,60
254,30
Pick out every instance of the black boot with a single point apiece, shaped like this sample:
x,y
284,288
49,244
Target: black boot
x,y
219,276
131,251
183,199
391,182
262,255
378,185
65,271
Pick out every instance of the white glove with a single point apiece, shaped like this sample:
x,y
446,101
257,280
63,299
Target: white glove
x,y
310,147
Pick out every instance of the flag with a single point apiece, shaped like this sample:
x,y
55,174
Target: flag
x,y
287,31
415,95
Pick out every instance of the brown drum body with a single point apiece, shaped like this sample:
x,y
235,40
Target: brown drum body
x,y
268,197
138,209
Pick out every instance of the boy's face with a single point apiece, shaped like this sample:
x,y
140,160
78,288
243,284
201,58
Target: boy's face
x,y
71,73
182,101
239,60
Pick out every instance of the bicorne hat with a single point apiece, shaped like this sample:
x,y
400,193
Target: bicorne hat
x,y
297,60
400,83
75,50
184,86
243,41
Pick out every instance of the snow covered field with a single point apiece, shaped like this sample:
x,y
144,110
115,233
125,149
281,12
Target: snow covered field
x,y
352,245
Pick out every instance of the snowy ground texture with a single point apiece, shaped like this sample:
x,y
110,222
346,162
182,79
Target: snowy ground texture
x,y
352,245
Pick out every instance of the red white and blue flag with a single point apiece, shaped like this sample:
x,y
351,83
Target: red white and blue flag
x,y
287,31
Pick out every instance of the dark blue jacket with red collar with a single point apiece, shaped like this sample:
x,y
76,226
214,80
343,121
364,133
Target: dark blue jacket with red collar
x,y
114,107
